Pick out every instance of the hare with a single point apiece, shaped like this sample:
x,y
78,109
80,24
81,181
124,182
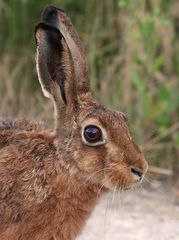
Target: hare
x,y
51,180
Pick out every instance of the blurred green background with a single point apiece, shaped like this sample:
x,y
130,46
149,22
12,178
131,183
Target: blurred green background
x,y
133,55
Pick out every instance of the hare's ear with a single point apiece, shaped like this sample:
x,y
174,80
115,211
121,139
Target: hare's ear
x,y
56,71
58,18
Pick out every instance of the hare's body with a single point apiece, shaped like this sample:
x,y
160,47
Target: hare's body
x,y
38,200
50,180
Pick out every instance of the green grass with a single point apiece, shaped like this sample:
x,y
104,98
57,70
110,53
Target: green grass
x,y
133,56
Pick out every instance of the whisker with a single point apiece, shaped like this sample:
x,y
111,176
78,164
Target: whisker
x,y
161,192
104,169
113,196
106,217
141,188
121,193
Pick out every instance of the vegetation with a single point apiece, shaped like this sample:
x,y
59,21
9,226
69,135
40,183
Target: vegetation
x,y
133,56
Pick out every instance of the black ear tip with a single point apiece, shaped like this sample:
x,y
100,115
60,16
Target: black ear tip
x,y
50,13
52,8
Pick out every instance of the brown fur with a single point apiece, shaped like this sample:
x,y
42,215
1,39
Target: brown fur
x,y
50,180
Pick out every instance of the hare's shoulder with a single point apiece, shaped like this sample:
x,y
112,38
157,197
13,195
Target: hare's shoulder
x,y
21,124
23,132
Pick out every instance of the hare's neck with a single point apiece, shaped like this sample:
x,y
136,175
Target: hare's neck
x,y
75,202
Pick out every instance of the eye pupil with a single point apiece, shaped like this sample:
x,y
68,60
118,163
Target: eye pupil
x,y
92,134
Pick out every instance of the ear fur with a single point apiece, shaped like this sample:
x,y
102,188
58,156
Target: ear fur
x,y
55,70
58,18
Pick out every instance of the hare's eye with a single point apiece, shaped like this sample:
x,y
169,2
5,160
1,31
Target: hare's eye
x,y
92,134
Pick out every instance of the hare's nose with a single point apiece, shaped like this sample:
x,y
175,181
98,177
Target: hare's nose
x,y
138,174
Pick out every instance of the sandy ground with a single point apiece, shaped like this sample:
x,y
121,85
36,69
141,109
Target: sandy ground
x,y
140,215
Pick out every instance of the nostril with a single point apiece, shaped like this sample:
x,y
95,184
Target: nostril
x,y
137,172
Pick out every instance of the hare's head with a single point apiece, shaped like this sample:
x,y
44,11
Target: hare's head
x,y
95,143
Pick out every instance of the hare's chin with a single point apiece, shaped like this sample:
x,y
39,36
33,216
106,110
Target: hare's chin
x,y
135,184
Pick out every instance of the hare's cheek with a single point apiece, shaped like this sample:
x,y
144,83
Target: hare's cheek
x,y
89,161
